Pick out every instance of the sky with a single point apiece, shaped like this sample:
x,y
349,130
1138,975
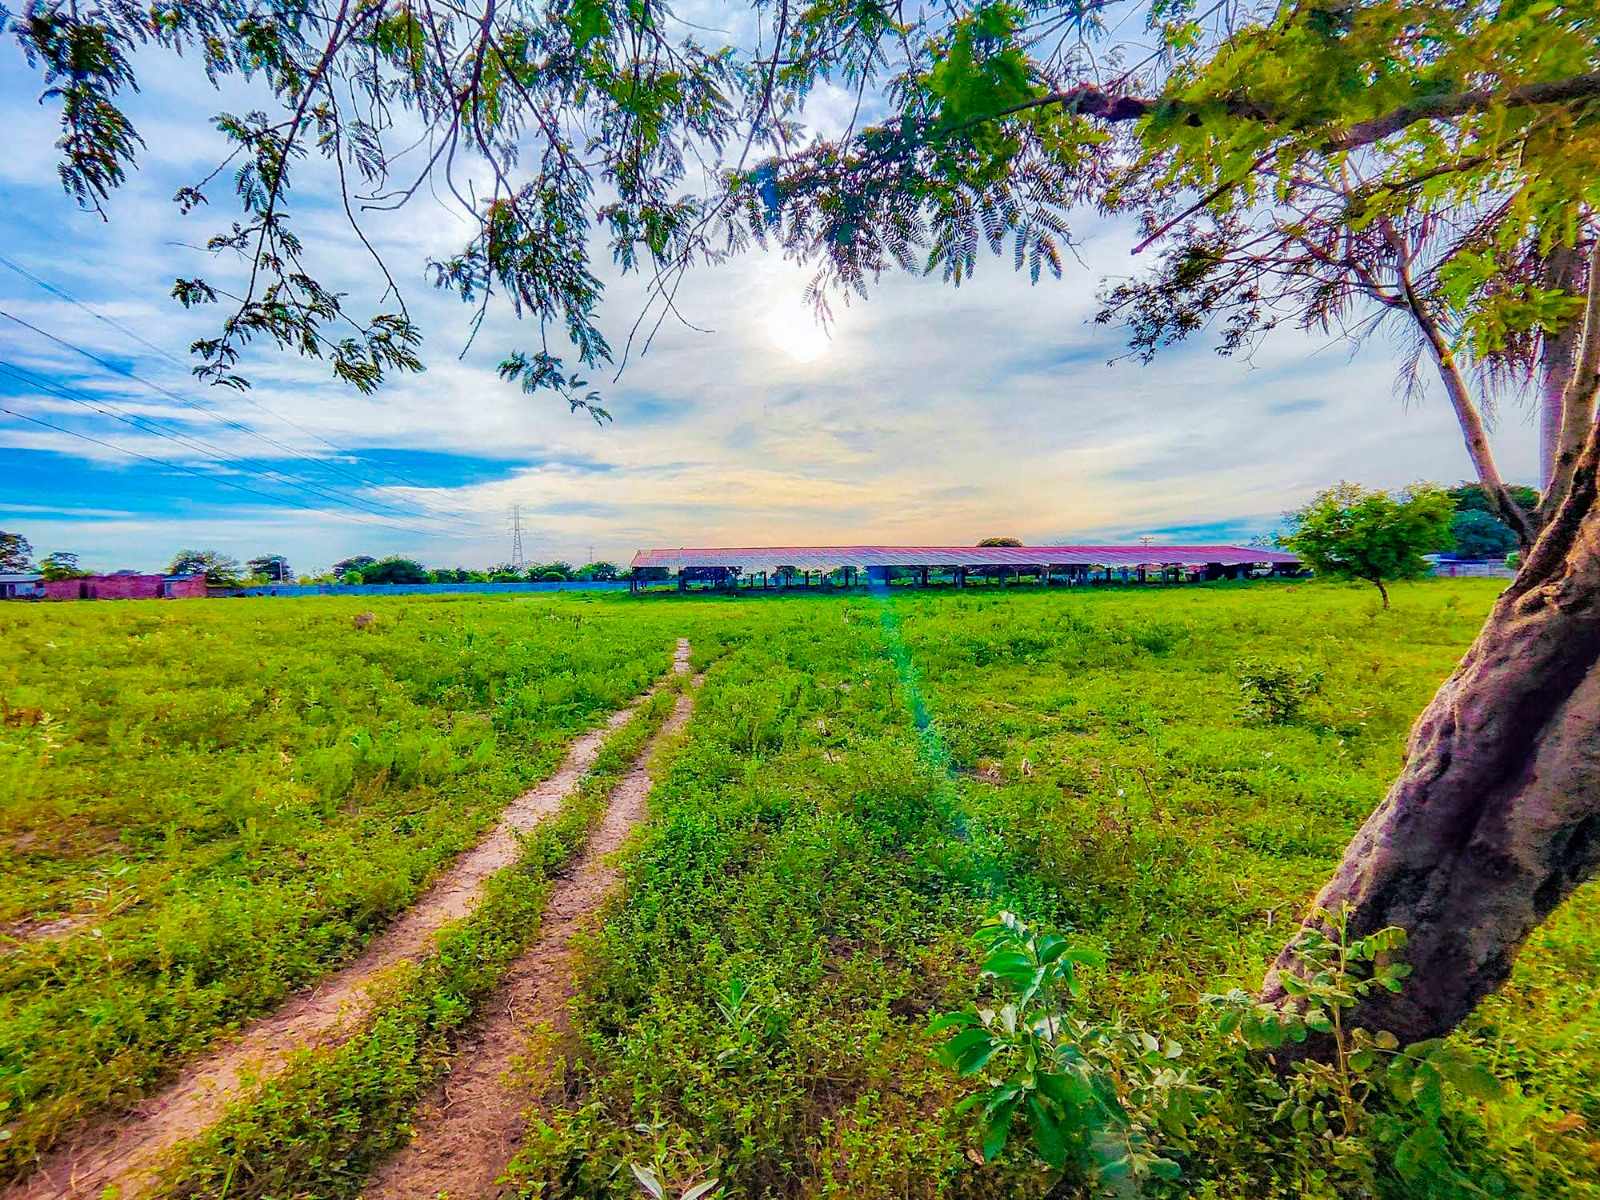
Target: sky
x,y
927,414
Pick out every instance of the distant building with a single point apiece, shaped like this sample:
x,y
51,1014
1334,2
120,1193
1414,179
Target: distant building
x,y
21,587
126,586
1050,565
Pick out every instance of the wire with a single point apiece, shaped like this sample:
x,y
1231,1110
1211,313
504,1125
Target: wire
x,y
57,290
239,487
129,373
210,449
367,504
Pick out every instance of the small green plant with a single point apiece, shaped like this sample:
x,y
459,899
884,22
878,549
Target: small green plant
x,y
1362,1091
650,1184
1276,691
1094,1094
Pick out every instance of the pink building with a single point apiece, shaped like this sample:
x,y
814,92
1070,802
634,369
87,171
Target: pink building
x,y
126,587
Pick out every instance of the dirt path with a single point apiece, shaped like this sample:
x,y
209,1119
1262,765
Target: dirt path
x,y
468,1130
123,1151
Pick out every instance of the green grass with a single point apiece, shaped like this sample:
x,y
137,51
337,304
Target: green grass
x,y
317,1128
863,780
1104,778
233,796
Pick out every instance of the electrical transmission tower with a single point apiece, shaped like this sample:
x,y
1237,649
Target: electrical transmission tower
x,y
517,559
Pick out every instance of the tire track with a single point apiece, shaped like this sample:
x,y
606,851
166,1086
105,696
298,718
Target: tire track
x,y
124,1152
469,1128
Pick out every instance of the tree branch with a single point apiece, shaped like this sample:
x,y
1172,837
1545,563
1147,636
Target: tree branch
x,y
1578,399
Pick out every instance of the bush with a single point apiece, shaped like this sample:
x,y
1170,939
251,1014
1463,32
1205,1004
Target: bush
x,y
1276,692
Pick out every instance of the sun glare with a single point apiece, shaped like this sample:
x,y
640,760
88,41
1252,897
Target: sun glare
x,y
793,329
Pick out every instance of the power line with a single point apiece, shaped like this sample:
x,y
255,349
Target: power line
x,y
366,504
56,290
238,487
186,402
209,449
146,426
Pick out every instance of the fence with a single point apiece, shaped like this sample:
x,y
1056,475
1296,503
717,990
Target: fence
x,y
419,589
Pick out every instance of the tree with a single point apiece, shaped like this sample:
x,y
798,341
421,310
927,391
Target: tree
x,y
1348,532
352,566
602,571
1469,497
550,572
395,569
1451,143
273,567
62,564
1276,163
1000,541
1480,535
16,554
219,569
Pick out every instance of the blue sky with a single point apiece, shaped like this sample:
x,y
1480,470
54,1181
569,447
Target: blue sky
x,y
931,414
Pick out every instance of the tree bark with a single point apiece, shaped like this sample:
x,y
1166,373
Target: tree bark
x,y
1580,380
1563,269
1473,431
1495,818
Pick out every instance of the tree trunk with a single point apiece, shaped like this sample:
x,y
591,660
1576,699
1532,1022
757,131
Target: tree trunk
x,y
1382,591
1564,268
1580,374
1474,433
1495,818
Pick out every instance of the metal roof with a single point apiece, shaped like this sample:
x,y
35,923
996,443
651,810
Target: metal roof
x,y
814,558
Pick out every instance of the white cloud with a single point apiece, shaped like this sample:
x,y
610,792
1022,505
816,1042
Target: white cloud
x,y
933,414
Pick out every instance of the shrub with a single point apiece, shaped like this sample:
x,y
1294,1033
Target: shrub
x,y
1094,1094
1276,692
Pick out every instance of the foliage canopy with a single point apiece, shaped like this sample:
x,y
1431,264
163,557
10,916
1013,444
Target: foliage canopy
x,y
1349,532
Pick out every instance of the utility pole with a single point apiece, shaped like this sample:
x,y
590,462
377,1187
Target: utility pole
x,y
517,560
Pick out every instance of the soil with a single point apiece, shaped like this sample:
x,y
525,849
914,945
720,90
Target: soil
x,y
125,1151
467,1131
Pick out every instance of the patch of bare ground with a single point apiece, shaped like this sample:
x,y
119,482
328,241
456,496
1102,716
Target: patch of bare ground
x,y
125,1152
16,934
467,1131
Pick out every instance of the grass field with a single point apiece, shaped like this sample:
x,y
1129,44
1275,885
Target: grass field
x,y
206,806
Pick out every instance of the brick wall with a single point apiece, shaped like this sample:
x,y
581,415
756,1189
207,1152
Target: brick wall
x,y
126,587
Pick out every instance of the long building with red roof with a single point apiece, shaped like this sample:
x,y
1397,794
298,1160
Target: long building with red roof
x,y
1071,563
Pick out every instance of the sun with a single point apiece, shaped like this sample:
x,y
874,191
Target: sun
x,y
794,329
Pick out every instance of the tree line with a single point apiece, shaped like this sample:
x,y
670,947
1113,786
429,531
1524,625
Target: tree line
x,y
224,571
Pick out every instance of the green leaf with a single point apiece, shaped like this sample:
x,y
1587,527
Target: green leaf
x,y
999,1128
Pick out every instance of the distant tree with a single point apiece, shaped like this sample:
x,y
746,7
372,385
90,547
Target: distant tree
x,y
61,565
219,569
1000,541
603,571
1470,497
1479,534
355,565
272,567
503,573
395,569
1349,532
451,575
550,572
16,554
